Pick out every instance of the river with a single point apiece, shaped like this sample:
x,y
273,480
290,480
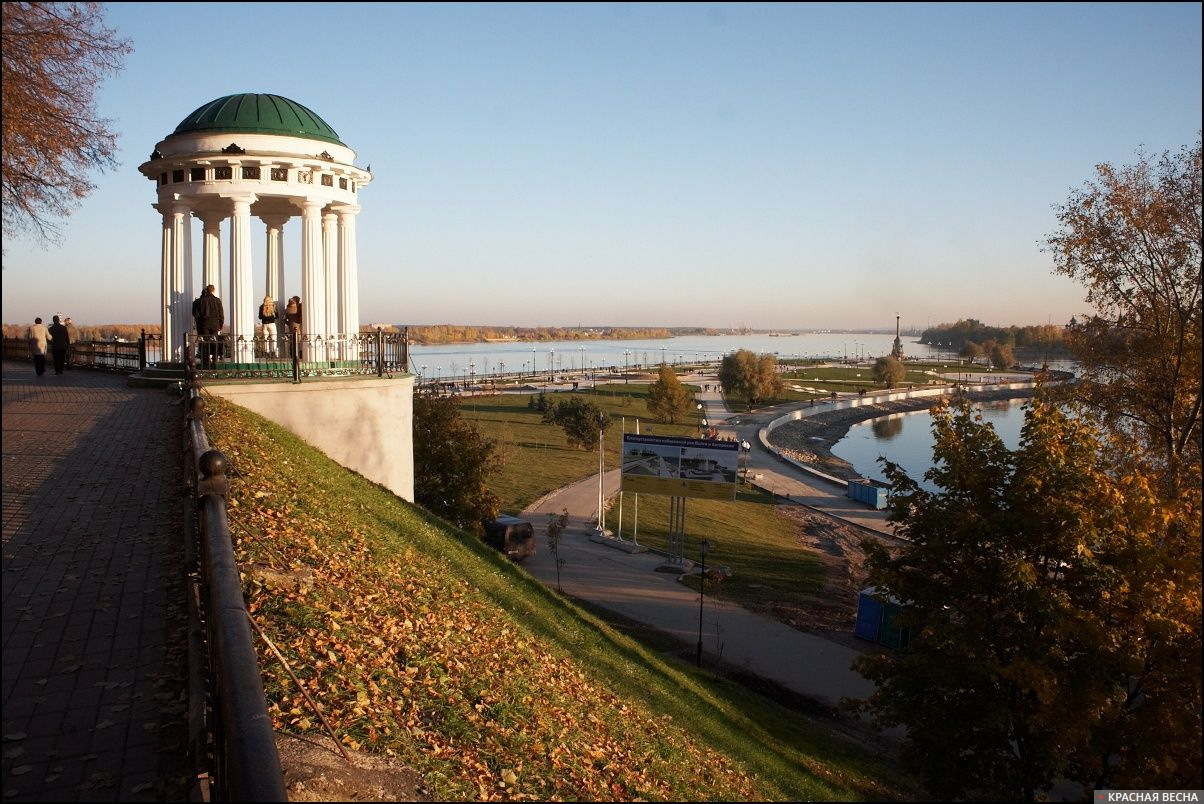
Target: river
x,y
466,360
906,439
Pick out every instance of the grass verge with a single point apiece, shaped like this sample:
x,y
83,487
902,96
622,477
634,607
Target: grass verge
x,y
421,643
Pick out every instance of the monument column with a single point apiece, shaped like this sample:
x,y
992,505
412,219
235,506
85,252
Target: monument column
x,y
313,283
181,263
211,250
241,306
275,259
330,271
166,300
349,297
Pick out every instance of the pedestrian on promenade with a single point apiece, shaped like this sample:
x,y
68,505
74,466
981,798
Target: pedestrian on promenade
x,y
72,336
59,341
267,317
39,342
210,316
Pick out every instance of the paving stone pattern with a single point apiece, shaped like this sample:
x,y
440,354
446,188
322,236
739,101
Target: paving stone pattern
x,y
94,608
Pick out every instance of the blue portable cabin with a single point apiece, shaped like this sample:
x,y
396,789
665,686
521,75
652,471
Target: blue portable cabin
x,y
878,620
868,492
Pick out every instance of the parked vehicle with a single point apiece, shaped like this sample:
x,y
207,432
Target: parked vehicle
x,y
513,536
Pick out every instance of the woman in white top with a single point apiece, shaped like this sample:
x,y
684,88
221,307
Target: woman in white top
x,y
39,344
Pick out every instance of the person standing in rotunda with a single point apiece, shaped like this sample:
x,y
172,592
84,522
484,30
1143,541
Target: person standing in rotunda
x,y
267,317
292,318
210,316
59,341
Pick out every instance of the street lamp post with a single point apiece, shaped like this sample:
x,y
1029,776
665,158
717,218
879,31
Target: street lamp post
x,y
626,352
745,447
424,372
472,375
703,546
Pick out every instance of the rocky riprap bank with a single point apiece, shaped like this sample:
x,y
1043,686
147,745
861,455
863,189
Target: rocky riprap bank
x,y
810,440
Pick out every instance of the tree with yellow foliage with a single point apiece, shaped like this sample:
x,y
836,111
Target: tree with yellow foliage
x,y
1053,606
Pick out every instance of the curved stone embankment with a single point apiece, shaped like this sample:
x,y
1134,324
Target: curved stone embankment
x,y
809,440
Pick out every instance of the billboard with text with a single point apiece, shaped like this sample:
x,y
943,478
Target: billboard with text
x,y
680,467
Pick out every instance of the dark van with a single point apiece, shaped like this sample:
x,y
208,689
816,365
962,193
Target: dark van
x,y
513,536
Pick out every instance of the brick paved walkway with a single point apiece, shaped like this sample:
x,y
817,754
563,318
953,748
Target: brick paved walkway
x,y
94,609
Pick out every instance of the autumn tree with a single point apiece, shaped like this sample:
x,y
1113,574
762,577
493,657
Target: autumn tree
x,y
755,377
889,371
579,418
1133,239
452,464
55,55
1049,637
1002,356
668,399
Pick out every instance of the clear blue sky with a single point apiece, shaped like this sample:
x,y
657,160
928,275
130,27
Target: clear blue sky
x,y
776,166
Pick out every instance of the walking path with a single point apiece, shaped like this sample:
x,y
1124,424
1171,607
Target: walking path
x,y
628,583
95,656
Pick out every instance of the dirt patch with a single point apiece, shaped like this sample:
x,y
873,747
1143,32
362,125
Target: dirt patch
x,y
315,770
830,612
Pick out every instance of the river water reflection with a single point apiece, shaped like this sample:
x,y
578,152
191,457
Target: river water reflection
x,y
906,439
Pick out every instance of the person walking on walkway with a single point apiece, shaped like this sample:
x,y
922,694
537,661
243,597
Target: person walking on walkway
x,y
39,342
267,317
59,341
210,316
72,337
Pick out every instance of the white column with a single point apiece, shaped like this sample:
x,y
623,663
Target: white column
x,y
171,350
240,306
181,308
274,282
330,271
189,291
349,297
313,283
211,251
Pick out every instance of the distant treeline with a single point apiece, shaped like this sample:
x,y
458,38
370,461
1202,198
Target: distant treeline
x,y
459,333
102,332
969,330
421,334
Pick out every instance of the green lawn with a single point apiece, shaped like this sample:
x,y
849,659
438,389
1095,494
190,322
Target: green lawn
x,y
535,458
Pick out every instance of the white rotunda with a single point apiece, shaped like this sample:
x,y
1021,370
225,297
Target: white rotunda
x,y
259,156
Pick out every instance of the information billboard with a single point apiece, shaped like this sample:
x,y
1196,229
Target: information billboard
x,y
680,467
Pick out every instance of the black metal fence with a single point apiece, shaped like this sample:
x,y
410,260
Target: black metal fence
x,y
233,730
115,355
293,357
296,356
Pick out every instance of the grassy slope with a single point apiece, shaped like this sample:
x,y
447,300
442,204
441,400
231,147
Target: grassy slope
x,y
421,643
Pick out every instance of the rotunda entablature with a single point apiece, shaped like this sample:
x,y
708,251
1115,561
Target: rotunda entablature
x,y
254,163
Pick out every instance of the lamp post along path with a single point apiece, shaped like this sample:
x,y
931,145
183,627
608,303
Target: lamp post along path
x,y
703,546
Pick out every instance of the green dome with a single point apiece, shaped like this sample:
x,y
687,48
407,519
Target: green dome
x,y
258,114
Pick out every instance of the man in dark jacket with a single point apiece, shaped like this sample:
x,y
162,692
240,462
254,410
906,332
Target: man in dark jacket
x,y
59,341
210,316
